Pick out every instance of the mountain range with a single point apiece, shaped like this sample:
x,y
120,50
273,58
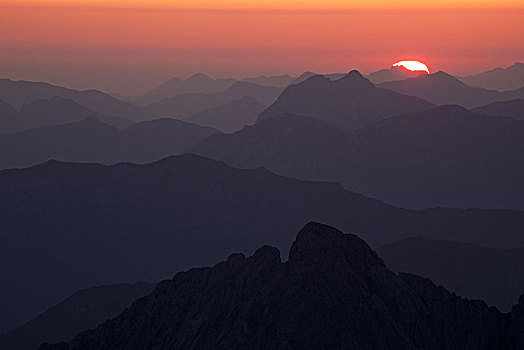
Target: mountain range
x,y
54,111
333,292
187,104
18,93
350,102
501,79
490,274
512,109
91,140
392,74
445,156
441,89
81,311
145,222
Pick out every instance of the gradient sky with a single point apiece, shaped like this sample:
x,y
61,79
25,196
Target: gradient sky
x,y
130,46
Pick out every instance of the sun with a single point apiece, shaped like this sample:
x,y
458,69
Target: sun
x,y
414,66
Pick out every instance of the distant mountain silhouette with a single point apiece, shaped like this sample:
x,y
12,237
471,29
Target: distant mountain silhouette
x,y
493,275
185,105
392,74
441,89
18,93
334,292
67,226
230,117
499,78
197,83
350,102
54,111
81,311
306,75
6,110
280,81
91,140
512,109
446,156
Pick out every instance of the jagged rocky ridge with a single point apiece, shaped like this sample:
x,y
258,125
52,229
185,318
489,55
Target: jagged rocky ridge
x,y
334,292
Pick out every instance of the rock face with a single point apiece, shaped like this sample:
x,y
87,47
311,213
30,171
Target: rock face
x,y
350,102
334,292
83,310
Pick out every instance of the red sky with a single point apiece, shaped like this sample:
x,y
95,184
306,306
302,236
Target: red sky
x,y
128,47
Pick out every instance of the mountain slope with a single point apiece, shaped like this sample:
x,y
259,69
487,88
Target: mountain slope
x,y
441,89
18,93
512,109
81,311
334,292
185,105
6,110
280,81
229,117
493,275
144,222
392,74
446,156
499,78
350,102
91,140
54,111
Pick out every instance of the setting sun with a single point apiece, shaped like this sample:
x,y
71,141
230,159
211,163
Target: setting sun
x,y
414,66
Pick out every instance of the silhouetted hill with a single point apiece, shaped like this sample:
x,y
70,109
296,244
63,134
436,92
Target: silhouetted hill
x,y
334,292
81,311
499,78
6,110
306,75
18,93
91,140
280,81
54,111
441,89
230,117
197,83
512,109
185,105
350,102
392,74
446,156
67,226
493,275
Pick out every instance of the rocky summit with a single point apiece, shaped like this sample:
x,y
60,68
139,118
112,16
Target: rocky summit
x,y
333,292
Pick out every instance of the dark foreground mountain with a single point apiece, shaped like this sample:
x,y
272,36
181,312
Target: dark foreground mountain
x,y
512,109
350,102
230,117
185,105
18,93
334,292
499,78
493,275
446,156
54,111
83,310
68,226
442,89
91,140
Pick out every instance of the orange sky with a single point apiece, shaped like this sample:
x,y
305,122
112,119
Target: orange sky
x,y
125,46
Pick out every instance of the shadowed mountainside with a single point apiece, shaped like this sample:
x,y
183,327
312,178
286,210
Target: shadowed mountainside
x,y
392,74
442,89
350,102
18,93
280,81
81,311
144,222
511,109
493,275
230,117
499,78
91,140
185,105
445,156
334,292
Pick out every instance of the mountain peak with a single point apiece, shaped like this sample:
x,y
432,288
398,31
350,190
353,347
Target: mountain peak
x,y
355,77
198,77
